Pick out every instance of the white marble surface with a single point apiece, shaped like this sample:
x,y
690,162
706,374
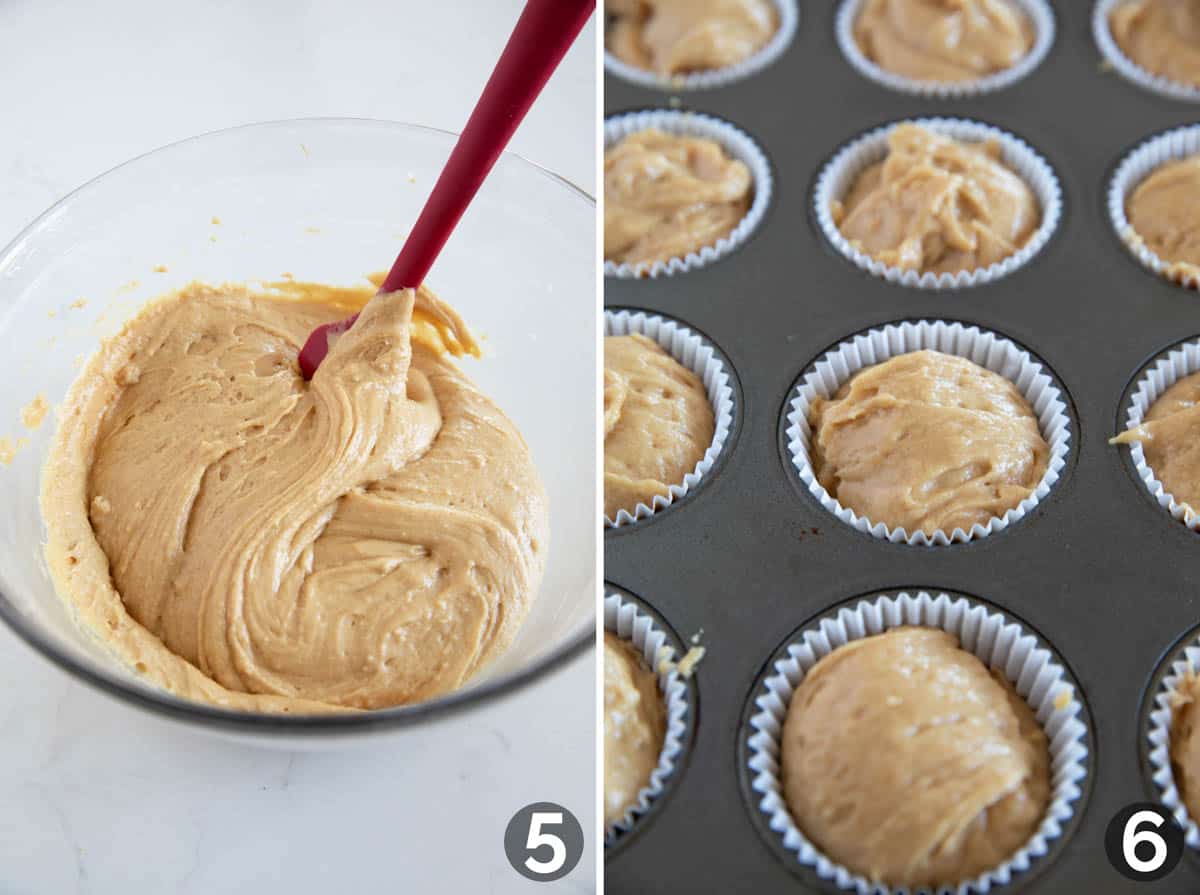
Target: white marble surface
x,y
97,798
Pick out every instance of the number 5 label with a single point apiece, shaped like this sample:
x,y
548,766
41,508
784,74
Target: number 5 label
x,y
543,841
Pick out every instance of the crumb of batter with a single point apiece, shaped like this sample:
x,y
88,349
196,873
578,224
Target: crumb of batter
x,y
33,413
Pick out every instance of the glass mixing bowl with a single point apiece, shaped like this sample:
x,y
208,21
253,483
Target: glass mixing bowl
x,y
328,200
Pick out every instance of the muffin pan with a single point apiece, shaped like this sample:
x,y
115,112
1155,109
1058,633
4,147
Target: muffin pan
x,y
1097,568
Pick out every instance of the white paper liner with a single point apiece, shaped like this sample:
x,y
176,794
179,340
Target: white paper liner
x,y
841,172
988,350
624,618
1125,66
1160,376
1036,11
735,142
789,21
1184,665
999,643
1173,145
702,359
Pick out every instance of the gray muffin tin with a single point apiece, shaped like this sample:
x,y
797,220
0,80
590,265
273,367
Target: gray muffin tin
x,y
1097,568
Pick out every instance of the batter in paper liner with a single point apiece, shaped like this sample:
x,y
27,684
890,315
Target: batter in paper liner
x,y
1164,212
658,422
1160,36
240,536
937,204
943,40
635,724
666,196
674,37
907,761
1168,437
1185,743
928,441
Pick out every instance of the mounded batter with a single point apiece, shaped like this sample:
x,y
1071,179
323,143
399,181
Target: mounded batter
x,y
927,441
1168,437
1164,211
937,204
658,422
242,537
635,724
666,196
906,760
1160,36
673,37
943,40
1185,745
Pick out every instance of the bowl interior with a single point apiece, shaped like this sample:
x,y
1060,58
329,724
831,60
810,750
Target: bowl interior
x,y
325,200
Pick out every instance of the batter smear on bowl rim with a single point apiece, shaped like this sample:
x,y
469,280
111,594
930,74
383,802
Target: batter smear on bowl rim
x,y
242,537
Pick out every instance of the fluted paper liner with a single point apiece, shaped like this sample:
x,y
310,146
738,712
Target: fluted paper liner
x,y
695,353
1179,362
839,175
625,619
999,643
1183,667
789,21
1125,66
1038,12
736,143
1139,164
988,350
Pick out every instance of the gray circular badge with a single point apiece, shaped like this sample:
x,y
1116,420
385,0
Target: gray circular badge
x,y
543,842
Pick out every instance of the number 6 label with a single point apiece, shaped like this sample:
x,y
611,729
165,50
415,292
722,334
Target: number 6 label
x,y
1142,842
543,841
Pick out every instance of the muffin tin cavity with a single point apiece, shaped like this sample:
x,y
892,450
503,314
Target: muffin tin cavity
x,y
989,350
699,355
789,22
1038,12
841,172
631,619
736,143
1028,662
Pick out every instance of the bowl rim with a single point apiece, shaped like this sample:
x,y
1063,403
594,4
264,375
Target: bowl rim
x,y
333,724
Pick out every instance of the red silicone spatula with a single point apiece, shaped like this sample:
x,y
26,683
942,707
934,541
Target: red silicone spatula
x,y
542,35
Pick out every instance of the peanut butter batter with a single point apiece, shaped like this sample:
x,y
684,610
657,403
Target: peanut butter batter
x,y
905,760
1185,745
244,538
938,205
928,441
1160,36
658,422
1164,211
943,40
667,196
1168,437
635,723
674,37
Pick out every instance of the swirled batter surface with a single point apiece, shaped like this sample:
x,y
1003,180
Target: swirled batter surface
x,y
635,722
1164,211
240,536
666,196
680,36
906,760
1168,436
1161,36
928,441
943,40
937,204
658,422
